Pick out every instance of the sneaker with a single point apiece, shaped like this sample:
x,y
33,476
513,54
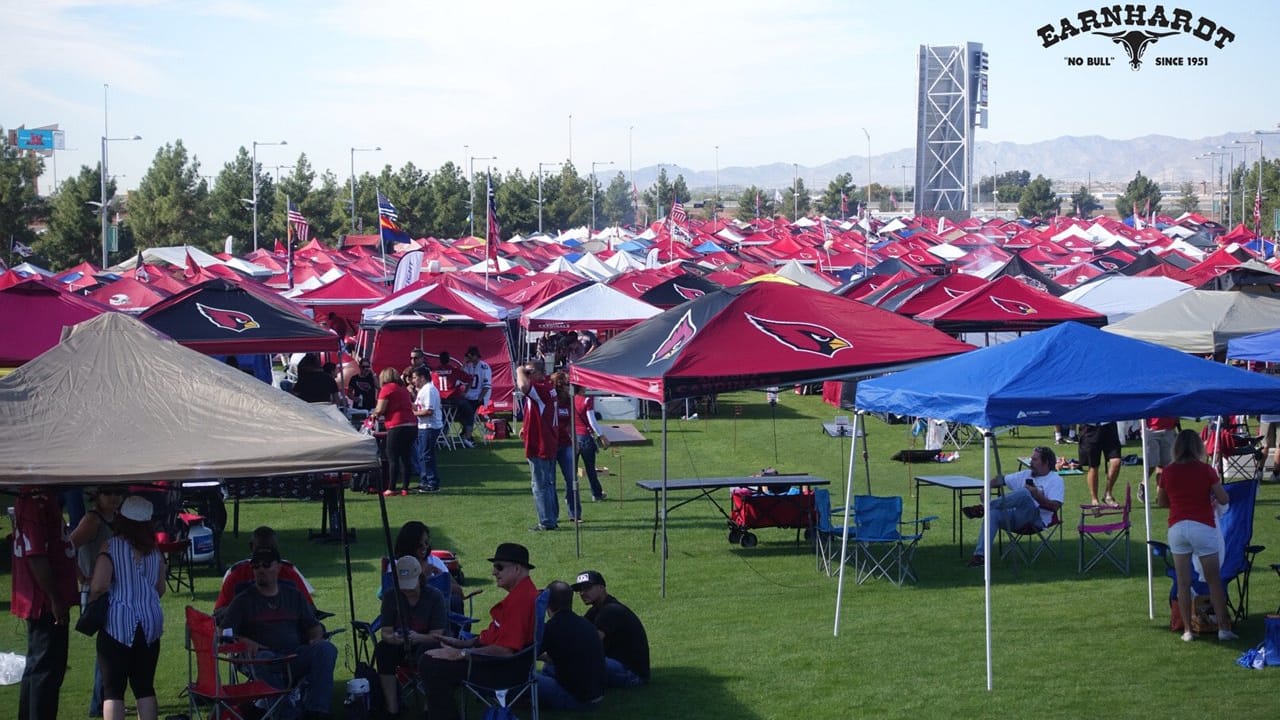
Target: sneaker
x,y
404,492
1188,636
1142,492
973,512
542,528
388,493
1227,635
976,561
468,442
599,498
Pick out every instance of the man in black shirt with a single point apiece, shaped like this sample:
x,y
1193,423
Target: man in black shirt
x,y
314,385
362,388
573,674
626,646
272,619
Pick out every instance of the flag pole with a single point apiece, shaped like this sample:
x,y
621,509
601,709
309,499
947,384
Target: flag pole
x,y
288,234
382,240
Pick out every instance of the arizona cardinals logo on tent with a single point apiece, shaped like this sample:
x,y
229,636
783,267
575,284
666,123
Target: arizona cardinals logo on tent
x,y
1016,307
430,317
232,320
679,336
952,293
1108,265
642,289
687,293
803,336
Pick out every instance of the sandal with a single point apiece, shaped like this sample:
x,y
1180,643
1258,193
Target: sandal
x,y
1110,500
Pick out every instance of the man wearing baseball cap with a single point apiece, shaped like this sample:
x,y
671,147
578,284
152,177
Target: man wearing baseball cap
x,y
491,656
626,646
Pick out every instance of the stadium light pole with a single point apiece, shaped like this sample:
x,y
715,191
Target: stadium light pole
x,y
254,174
355,150
471,185
594,165
540,192
102,177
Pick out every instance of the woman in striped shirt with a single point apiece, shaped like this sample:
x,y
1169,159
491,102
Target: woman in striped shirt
x,y
132,569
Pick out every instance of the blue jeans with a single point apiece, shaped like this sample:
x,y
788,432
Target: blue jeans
x,y
619,676
417,456
553,696
428,473
315,663
544,491
564,458
1010,512
587,451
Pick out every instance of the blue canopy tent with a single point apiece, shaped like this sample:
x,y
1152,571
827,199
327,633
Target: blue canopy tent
x,y
1260,347
1067,374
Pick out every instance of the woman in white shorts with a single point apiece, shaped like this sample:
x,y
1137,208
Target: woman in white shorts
x,y
1190,486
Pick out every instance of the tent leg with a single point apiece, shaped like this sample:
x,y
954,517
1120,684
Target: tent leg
x,y
858,418
986,528
663,583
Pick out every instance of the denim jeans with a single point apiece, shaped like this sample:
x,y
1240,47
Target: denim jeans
x,y
564,459
587,451
428,473
315,663
1010,512
619,676
543,474
553,696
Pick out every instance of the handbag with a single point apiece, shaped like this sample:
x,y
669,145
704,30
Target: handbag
x,y
94,616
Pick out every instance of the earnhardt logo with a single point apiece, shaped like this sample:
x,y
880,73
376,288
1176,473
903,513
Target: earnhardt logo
x,y
1135,28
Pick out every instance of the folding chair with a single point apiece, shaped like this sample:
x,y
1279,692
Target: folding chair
x,y
880,548
507,697
209,683
826,536
1106,528
1236,563
1029,542
178,560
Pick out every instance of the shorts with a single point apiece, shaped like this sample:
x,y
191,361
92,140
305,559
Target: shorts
x,y
1098,441
1159,447
1269,434
1189,537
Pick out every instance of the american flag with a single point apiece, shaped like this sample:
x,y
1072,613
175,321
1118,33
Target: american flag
x,y
757,203
140,270
495,228
1257,211
678,215
301,228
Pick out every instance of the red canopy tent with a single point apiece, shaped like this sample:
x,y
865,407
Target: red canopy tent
x,y
1006,305
33,313
128,295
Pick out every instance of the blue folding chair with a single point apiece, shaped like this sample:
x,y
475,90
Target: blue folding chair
x,y
880,547
1236,562
506,697
826,536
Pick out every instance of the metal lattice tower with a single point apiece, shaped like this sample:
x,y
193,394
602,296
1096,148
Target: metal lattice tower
x,y
952,100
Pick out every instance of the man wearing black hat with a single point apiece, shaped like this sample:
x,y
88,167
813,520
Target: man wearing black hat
x,y
273,619
489,657
626,646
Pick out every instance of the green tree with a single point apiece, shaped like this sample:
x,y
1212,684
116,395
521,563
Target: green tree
x,y
619,207
447,198
74,233
1270,194
168,208
1141,193
518,204
747,204
658,196
1083,202
680,190
228,205
20,203
790,206
841,186
295,187
1187,200
1038,199
328,208
571,205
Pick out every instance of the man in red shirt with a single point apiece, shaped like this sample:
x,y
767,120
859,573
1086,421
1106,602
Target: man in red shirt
x,y
44,589
240,575
540,435
490,656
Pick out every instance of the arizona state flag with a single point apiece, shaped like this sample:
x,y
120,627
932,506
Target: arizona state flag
x,y
389,229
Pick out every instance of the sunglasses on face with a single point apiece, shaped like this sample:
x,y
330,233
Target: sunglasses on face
x,y
499,567
263,565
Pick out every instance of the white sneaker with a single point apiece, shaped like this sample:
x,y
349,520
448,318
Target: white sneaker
x,y
1188,636
466,442
1225,635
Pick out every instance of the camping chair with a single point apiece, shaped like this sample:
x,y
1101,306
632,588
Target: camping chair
x,y
826,536
506,697
208,663
1106,528
178,561
1029,542
880,548
1236,524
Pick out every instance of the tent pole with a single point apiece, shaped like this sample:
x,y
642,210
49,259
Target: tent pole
x,y
986,529
663,584
346,555
844,532
573,476
1146,517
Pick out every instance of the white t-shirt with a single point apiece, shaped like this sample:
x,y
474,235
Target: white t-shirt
x,y
1051,484
429,398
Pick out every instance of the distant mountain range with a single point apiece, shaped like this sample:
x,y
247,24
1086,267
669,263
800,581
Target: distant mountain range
x,y
1068,161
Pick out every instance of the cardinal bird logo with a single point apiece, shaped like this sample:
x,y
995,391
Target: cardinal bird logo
x,y
1014,307
232,320
677,339
802,336
952,293
430,317
1107,265
642,289
687,293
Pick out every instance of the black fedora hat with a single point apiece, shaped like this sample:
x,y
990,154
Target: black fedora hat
x,y
512,553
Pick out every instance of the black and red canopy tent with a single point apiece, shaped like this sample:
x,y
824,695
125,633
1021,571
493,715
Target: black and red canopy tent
x,y
219,317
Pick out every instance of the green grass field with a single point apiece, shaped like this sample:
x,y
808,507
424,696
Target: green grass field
x,y
747,633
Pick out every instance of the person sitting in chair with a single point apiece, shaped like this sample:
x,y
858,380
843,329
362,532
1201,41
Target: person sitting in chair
x,y
241,575
492,656
1033,496
413,621
273,619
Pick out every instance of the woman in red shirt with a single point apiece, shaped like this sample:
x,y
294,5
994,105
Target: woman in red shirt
x,y
395,404
1190,486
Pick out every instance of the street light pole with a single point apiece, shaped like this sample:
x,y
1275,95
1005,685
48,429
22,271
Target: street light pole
x,y
795,193
254,174
355,150
995,172
864,132
1231,180
471,185
540,192
594,165
715,210
102,197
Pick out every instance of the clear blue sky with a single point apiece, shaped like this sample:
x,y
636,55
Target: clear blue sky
x,y
645,82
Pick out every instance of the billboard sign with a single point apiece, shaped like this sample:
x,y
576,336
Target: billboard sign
x,y
40,139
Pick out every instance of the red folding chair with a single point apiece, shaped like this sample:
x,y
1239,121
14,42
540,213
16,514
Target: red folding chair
x,y
211,672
